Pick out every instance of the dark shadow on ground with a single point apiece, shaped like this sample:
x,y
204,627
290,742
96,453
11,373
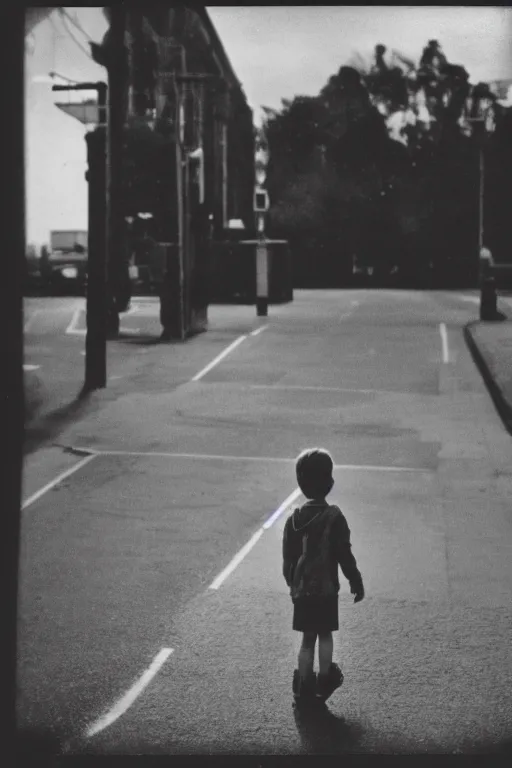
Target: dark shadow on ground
x,y
47,426
142,341
37,748
323,732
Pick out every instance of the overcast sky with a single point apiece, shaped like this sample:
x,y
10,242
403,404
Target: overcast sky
x,y
276,51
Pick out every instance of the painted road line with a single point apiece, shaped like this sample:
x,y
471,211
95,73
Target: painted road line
x,y
321,389
284,506
74,322
258,330
125,702
220,357
224,457
57,480
444,341
221,578
28,367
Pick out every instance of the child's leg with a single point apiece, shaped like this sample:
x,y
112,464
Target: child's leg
x,y
325,647
307,654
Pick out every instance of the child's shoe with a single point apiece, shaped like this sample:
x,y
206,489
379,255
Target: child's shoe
x,y
327,684
303,690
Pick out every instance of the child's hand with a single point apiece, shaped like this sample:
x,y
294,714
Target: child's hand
x,y
358,593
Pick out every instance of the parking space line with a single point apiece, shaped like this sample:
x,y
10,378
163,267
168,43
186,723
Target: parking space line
x,y
220,357
37,495
125,702
228,570
224,457
74,322
284,506
444,342
319,388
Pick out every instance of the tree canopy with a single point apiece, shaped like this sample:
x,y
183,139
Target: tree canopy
x,y
387,144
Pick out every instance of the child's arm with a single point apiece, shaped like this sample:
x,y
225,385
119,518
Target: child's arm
x,y
287,555
345,557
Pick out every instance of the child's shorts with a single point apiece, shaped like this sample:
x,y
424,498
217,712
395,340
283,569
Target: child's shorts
x,y
315,614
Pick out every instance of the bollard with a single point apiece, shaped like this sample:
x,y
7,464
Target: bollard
x,y
488,300
262,279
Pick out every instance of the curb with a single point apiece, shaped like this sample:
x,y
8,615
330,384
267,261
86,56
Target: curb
x,y
503,407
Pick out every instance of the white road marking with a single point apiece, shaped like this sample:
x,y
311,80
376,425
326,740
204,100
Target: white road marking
x,y
284,506
125,702
74,322
472,299
258,330
220,457
220,357
319,389
28,367
57,480
31,319
444,340
221,578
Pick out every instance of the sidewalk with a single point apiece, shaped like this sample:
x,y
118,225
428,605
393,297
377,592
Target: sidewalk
x,y
490,344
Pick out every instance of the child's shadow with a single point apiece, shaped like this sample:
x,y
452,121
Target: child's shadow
x,y
321,731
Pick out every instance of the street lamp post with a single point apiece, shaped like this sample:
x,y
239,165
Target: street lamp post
x,y
97,288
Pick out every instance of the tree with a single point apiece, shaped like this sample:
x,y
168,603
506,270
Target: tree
x,y
387,146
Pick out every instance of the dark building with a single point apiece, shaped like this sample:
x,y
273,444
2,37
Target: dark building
x,y
188,151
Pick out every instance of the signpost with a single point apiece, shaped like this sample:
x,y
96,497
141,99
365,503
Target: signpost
x,y
261,205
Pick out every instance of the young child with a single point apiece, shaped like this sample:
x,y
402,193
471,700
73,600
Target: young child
x,y
316,540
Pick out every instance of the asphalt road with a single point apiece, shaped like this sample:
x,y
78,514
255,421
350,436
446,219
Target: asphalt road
x,y
55,331
119,558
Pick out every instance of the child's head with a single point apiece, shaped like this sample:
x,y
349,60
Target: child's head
x,y
314,473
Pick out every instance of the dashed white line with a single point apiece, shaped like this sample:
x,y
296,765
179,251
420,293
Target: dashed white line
x,y
284,506
125,702
228,570
444,341
221,578
220,357
57,480
74,322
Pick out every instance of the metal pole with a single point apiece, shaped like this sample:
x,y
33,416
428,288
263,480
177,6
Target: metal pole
x,y
181,192
117,70
261,271
97,288
481,201
13,401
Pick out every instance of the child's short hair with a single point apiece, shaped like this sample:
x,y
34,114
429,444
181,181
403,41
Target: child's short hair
x,y
314,469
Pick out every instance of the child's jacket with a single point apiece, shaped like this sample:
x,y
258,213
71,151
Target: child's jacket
x,y
316,540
